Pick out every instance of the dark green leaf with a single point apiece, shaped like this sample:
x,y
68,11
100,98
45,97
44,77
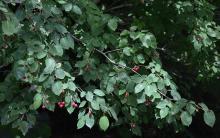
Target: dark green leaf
x,y
57,87
209,118
186,118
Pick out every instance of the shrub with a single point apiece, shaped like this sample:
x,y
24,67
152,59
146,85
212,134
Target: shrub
x,y
108,63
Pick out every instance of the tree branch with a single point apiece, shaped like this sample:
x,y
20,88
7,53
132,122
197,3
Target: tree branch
x,y
119,49
119,7
113,62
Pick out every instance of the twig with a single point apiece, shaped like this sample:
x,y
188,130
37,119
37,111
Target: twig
x,y
119,65
119,7
77,39
124,66
119,49
2,66
197,106
162,49
165,96
79,89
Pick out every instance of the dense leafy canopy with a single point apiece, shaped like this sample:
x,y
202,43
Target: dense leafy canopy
x,y
75,51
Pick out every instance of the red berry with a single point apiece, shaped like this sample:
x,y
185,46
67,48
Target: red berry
x,y
135,68
74,105
61,104
126,94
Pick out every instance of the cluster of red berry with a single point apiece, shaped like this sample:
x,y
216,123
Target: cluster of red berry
x,y
135,68
61,104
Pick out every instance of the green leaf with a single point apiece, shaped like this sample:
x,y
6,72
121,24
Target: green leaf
x,y
89,96
209,118
162,104
121,92
132,100
57,87
175,95
160,85
34,67
204,107
141,98
82,94
72,86
186,118
164,112
113,113
50,65
150,89
99,92
60,74
77,10
95,105
68,98
20,72
37,101
127,51
113,24
82,104
81,122
68,7
190,108
104,123
141,59
81,114
139,87
42,77
2,97
10,27
90,121
59,49
23,126
56,10
70,110
61,1
146,40
158,67
67,42
137,131
41,54
61,29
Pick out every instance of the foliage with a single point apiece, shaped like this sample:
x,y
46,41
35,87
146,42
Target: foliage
x,y
108,67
